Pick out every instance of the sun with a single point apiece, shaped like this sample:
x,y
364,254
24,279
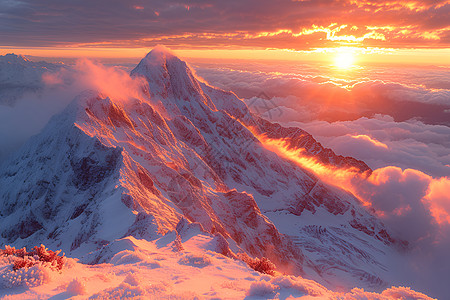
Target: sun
x,y
344,58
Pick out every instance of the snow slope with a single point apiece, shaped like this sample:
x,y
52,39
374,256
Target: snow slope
x,y
113,168
139,269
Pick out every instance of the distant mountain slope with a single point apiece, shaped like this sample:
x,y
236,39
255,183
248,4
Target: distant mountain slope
x,y
18,75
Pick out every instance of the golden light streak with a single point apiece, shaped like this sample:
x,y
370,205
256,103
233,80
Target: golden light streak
x,y
345,178
371,140
436,198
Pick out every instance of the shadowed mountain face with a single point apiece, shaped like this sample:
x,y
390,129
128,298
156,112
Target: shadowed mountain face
x,y
107,168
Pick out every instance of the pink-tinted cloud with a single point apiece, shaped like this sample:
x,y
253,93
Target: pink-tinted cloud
x,y
86,74
438,197
328,98
410,144
399,197
30,114
409,201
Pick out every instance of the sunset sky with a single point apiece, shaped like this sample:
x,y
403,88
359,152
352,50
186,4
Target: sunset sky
x,y
389,31
369,80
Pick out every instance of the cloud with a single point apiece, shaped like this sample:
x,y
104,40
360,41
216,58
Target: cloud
x,y
411,144
417,207
30,114
408,201
370,140
439,199
281,24
414,206
354,118
87,74
402,154
398,196
386,119
329,98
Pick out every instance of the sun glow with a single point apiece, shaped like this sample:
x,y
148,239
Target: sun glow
x,y
344,58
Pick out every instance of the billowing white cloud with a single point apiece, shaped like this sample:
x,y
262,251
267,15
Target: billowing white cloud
x,y
336,97
411,144
388,106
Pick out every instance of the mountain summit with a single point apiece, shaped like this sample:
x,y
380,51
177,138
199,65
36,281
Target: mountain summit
x,y
187,155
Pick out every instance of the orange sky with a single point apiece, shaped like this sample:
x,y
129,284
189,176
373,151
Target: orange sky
x,y
439,57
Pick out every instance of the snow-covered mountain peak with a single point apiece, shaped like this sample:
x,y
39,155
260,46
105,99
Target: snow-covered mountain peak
x,y
105,169
170,78
14,58
159,55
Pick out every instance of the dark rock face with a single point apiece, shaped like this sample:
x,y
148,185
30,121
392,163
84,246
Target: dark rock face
x,y
93,169
23,229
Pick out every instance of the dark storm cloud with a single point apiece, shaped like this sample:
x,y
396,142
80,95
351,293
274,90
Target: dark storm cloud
x,y
232,23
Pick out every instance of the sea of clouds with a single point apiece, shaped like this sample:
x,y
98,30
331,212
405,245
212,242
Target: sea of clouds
x,y
396,119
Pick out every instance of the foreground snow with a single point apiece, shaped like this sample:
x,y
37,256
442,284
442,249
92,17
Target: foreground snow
x,y
165,269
